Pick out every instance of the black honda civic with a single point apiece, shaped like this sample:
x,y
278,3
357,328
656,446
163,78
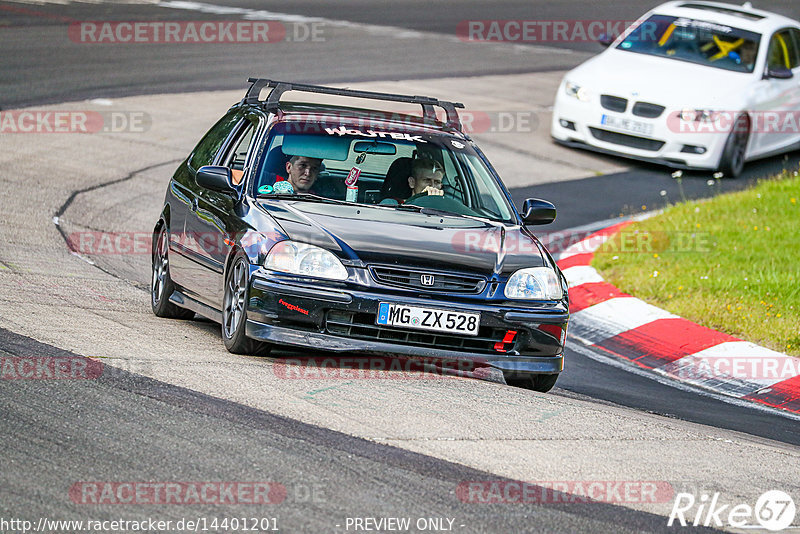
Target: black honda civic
x,y
358,231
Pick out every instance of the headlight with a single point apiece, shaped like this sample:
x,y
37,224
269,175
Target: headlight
x,y
307,260
691,115
576,91
536,283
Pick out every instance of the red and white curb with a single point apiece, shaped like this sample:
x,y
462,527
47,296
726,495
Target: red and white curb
x,y
621,326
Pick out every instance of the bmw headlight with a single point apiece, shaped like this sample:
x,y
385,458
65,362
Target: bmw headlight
x,y
576,91
303,259
535,283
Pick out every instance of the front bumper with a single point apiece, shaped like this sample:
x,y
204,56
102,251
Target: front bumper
x,y
342,320
666,144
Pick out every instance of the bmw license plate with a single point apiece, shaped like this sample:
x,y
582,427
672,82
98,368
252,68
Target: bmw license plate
x,y
618,123
423,318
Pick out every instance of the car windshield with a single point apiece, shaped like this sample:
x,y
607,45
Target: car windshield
x,y
428,172
696,41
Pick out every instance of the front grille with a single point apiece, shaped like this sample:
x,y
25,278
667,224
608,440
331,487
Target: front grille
x,y
647,110
632,141
613,103
441,281
362,326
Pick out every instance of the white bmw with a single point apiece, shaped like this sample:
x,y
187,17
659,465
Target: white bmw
x,y
691,84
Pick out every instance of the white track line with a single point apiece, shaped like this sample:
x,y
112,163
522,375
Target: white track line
x,y
631,368
393,32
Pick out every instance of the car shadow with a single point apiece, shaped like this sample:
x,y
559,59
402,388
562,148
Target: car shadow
x,y
315,364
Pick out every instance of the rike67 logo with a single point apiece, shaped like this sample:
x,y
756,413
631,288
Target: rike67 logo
x,y
774,510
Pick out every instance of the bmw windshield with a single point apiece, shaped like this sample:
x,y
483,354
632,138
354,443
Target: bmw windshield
x,y
696,41
399,169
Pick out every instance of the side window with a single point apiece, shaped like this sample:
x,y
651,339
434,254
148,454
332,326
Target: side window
x,y
207,148
237,155
783,50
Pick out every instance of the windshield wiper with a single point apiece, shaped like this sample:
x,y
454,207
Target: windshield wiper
x,y
426,210
303,196
407,207
434,211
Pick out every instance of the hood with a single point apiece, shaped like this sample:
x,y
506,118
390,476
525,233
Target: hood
x,y
672,83
378,235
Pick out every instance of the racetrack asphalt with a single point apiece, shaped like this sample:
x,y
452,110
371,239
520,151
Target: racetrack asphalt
x,y
61,432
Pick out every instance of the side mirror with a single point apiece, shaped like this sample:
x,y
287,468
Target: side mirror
x,y
605,39
781,73
537,211
215,178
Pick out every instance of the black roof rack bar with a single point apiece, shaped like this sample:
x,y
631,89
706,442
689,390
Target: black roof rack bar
x,y
278,88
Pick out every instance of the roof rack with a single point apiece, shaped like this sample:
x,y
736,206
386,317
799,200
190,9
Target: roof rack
x,y
278,88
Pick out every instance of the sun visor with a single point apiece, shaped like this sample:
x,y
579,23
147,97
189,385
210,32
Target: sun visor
x,y
316,146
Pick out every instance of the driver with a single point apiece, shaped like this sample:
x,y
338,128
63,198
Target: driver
x,y
302,172
426,177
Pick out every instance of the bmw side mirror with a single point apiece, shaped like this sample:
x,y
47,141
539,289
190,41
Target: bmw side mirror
x,y
781,73
215,178
605,39
537,211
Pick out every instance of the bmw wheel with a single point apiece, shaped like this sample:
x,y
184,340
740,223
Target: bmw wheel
x,y
161,286
732,161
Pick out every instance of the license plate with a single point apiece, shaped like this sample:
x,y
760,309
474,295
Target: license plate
x,y
637,127
423,318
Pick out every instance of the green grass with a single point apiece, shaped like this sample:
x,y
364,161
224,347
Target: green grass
x,y
731,263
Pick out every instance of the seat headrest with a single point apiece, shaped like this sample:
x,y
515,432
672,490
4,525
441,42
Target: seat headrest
x,y
396,183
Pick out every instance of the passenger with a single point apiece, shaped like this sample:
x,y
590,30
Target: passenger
x,y
302,172
747,53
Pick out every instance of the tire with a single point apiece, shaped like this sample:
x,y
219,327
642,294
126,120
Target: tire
x,y
161,286
732,161
541,383
234,310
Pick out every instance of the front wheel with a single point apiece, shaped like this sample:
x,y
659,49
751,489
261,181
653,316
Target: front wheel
x,y
541,383
234,310
732,161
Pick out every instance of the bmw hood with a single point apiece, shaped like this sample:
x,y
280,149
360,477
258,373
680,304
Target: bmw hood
x,y
672,83
388,236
